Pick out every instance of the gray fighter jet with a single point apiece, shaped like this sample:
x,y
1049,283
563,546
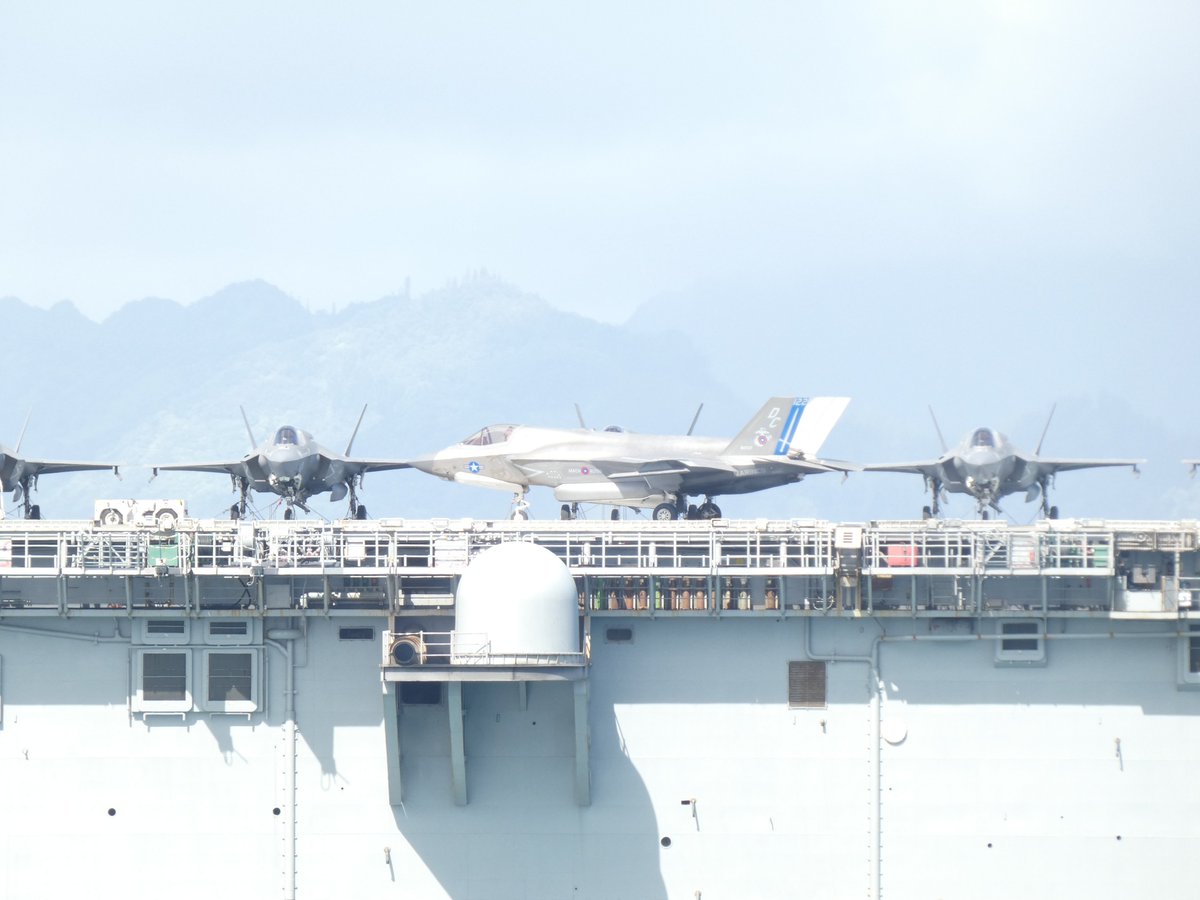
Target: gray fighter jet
x,y
987,466
294,466
20,475
618,468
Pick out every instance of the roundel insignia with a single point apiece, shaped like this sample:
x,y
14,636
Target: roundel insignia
x,y
585,470
761,437
473,467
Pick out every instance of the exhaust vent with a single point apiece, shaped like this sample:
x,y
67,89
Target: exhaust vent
x,y
407,650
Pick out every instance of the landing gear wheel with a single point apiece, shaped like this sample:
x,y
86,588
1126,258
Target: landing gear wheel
x,y
520,515
1053,512
665,512
564,512
360,513
709,510
289,513
234,512
35,512
615,515
926,512
985,515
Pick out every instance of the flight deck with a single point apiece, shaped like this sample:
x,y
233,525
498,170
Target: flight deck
x,y
774,568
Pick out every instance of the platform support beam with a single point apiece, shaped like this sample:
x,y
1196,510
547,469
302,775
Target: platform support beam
x,y
458,756
583,775
391,736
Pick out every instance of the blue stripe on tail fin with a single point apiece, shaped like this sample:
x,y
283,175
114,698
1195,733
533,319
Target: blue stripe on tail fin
x,y
789,427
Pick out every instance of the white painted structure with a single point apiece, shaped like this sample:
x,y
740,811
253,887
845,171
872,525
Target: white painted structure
x,y
1004,712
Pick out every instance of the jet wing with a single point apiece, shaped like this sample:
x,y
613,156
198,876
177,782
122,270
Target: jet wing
x,y
811,465
930,468
232,467
661,474
376,465
44,466
1050,465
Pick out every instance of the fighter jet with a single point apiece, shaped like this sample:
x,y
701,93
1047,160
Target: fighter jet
x,y
987,466
616,467
294,466
20,475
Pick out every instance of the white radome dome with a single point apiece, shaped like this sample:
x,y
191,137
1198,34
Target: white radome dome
x,y
520,598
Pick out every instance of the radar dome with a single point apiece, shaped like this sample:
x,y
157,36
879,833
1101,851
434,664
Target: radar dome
x,y
518,598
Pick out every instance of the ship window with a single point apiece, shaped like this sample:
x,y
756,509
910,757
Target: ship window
x,y
806,684
162,681
420,693
230,631
1189,658
162,631
165,626
618,635
231,680
1021,643
164,676
229,676
356,634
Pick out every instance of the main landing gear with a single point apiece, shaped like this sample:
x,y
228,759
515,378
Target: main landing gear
x,y
667,512
242,486
24,486
935,490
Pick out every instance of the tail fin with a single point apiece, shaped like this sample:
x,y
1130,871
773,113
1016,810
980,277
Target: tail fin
x,y
795,425
245,418
355,433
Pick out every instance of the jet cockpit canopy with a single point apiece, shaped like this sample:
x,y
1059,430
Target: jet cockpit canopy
x,y
983,437
492,434
286,435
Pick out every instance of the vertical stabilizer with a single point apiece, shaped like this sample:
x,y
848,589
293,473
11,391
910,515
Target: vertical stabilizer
x,y
818,417
795,425
762,433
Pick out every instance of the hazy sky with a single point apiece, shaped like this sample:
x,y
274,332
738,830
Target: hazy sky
x,y
597,154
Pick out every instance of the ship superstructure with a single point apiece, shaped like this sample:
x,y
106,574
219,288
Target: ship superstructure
x,y
702,709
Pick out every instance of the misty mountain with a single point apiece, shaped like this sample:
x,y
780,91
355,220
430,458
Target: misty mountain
x,y
160,382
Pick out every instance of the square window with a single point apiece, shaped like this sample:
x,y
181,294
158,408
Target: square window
x,y
229,677
1021,643
162,681
231,680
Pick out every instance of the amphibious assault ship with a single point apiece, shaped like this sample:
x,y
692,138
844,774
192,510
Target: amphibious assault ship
x,y
687,709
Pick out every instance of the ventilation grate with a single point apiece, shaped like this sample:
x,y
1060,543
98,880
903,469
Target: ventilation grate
x,y
806,685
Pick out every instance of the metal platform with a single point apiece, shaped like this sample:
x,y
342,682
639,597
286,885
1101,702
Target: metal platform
x,y
720,567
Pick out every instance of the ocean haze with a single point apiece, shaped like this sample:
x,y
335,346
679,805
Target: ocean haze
x,y
160,382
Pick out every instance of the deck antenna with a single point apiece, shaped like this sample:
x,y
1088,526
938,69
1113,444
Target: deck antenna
x,y
1038,451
